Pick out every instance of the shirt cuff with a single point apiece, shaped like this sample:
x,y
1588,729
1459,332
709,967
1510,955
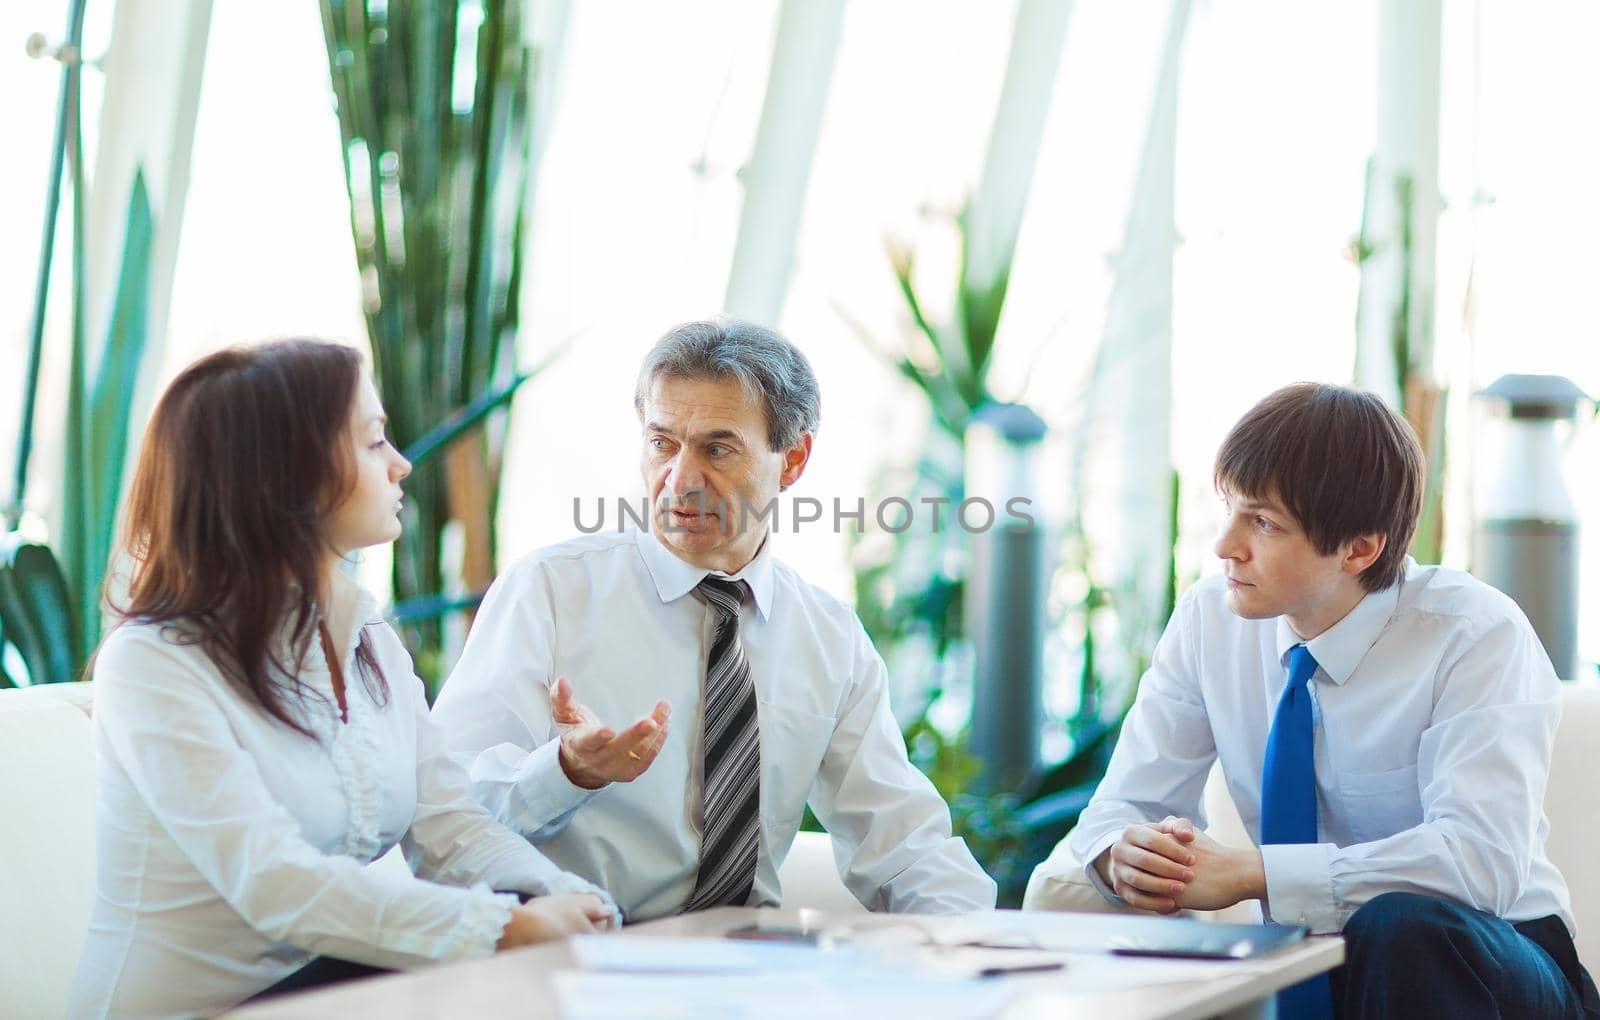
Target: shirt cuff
x,y
1300,886
563,882
1097,848
483,920
543,794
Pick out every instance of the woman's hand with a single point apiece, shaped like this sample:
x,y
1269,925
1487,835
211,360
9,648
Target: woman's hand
x,y
545,918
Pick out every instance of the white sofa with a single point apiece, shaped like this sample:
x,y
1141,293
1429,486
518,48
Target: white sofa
x,y
47,850
1570,802
47,843
47,847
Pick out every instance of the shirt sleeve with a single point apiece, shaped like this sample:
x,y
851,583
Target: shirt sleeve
x,y
495,709
1482,765
1162,756
157,718
454,840
891,830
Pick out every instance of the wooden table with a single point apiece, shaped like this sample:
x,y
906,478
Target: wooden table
x,y
520,983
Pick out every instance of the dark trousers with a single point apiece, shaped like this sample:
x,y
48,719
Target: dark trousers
x,y
1410,956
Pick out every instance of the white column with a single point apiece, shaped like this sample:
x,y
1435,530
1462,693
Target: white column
x,y
995,215
152,72
544,31
780,165
1407,149
1133,384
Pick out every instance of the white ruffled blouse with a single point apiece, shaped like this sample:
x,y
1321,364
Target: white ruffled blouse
x,y
231,849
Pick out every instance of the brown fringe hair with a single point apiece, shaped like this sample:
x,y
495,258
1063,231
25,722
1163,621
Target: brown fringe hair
x,y
1338,459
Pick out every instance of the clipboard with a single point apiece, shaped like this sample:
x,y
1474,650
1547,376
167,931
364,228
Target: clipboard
x,y
1202,940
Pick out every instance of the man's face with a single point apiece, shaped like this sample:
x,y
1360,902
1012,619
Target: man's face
x,y
709,470
1274,570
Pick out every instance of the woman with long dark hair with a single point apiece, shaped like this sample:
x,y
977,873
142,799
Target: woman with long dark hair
x,y
260,737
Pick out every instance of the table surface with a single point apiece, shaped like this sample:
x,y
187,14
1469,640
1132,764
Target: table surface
x,y
520,983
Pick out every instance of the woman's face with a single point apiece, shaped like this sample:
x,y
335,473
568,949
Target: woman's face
x,y
370,512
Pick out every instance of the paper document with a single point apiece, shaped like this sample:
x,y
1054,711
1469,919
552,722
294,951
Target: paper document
x,y
591,995
660,954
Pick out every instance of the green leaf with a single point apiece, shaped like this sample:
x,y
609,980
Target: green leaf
x,y
98,411
37,611
432,607
949,410
110,401
979,312
447,431
902,262
77,470
475,412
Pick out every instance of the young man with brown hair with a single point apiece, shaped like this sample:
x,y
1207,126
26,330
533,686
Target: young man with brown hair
x,y
1385,729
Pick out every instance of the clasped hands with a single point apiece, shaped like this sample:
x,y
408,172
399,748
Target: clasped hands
x,y
593,754
1170,865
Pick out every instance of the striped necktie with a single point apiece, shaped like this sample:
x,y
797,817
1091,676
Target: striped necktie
x,y
1289,805
731,794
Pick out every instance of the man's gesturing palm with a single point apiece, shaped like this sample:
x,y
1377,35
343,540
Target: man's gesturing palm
x,y
593,754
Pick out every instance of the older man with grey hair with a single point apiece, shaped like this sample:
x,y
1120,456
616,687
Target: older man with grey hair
x,y
654,709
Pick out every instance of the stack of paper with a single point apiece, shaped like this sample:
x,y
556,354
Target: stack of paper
x,y
661,978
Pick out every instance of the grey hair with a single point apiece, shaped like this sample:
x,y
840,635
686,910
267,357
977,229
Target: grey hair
x,y
765,365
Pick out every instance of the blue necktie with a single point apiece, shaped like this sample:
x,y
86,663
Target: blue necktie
x,y
1289,806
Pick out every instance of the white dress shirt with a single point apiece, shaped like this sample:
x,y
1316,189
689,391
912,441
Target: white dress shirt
x,y
615,614
1435,710
232,848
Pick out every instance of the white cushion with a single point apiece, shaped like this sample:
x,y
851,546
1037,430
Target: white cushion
x,y
810,878
47,853
1059,882
1574,812
29,699
1225,826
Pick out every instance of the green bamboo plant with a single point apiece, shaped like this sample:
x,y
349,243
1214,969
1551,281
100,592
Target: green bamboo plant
x,y
904,586
1423,401
433,109
905,591
911,586
914,583
99,408
50,606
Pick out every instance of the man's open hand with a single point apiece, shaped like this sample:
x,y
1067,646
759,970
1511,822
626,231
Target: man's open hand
x,y
593,754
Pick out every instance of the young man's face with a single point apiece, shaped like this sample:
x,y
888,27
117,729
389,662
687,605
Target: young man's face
x,y
1274,570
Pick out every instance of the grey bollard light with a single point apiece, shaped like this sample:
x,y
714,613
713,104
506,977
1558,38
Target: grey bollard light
x,y
1004,605
1525,538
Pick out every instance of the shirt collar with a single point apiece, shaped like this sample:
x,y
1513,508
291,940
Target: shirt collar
x,y
1340,649
674,578
350,608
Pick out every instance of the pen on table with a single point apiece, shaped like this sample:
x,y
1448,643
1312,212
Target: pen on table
x,y
1023,968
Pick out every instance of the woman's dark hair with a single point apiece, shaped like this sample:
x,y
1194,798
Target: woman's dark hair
x,y
246,455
